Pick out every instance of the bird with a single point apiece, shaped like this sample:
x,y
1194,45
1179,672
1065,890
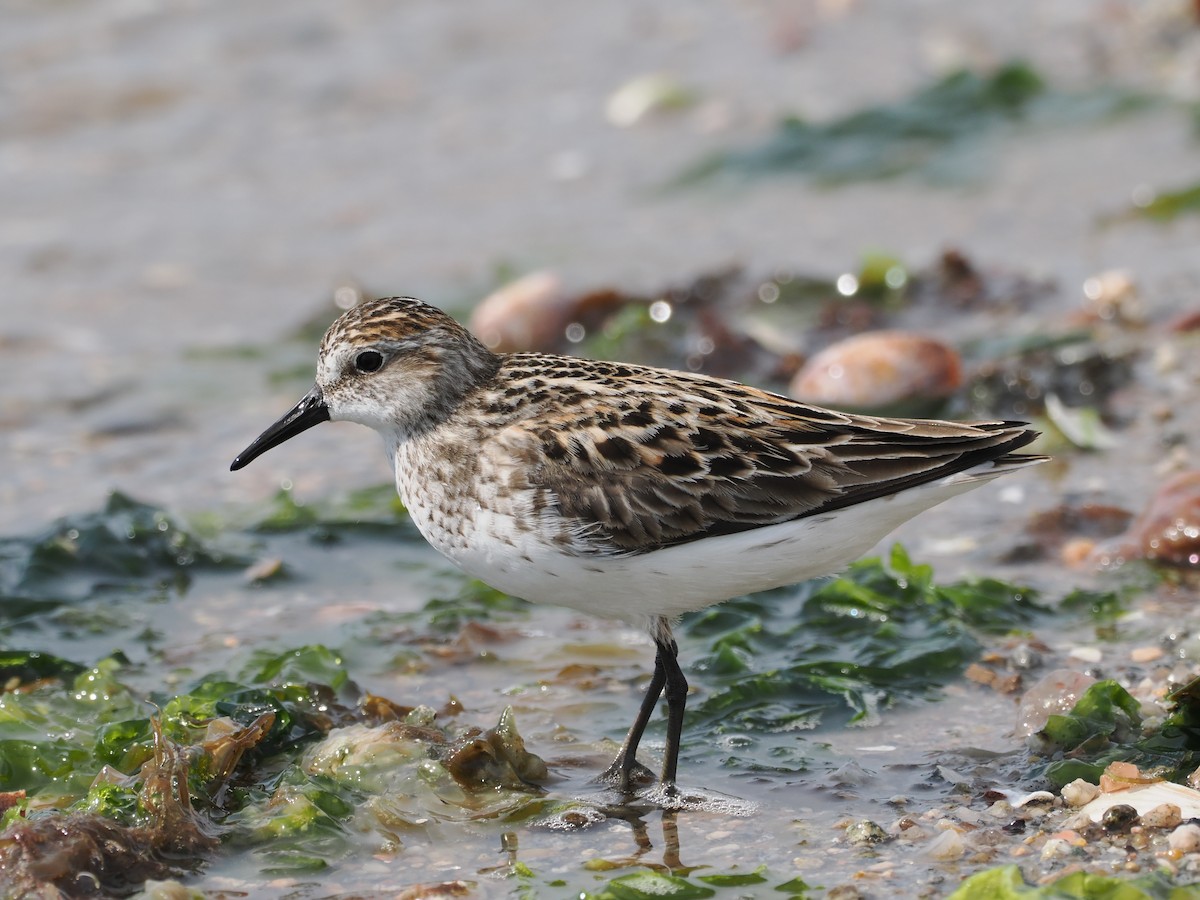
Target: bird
x,y
625,491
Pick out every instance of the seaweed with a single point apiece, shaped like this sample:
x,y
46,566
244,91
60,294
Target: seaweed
x,y
849,648
1106,725
1006,883
930,133
127,549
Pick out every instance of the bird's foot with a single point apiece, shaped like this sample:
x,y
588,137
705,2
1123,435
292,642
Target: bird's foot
x,y
626,776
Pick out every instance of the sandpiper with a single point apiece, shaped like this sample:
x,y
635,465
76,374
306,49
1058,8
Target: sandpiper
x,y
627,491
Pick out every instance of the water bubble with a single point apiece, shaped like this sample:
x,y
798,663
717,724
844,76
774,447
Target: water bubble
x,y
660,311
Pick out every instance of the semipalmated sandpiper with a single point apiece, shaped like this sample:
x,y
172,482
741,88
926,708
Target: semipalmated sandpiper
x,y
625,491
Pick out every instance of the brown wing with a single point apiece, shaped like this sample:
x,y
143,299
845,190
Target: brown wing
x,y
641,458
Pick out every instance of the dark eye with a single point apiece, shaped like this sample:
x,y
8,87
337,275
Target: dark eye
x,y
368,361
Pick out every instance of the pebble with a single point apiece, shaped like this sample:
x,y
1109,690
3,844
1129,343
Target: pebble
x,y
1001,809
1113,295
1119,817
1168,529
1079,793
1166,358
905,823
1025,656
166,890
850,773
1080,820
950,776
879,369
968,816
1086,654
1055,848
1121,775
947,845
1185,838
526,314
1165,815
865,832
1074,838
1034,798
646,94
1077,551
1146,654
263,570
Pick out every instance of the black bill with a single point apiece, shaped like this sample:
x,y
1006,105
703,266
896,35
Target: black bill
x,y
310,411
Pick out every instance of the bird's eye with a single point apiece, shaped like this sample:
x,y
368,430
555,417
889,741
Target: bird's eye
x,y
368,361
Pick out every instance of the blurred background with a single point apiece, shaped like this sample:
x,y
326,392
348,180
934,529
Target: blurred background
x,y
183,179
190,191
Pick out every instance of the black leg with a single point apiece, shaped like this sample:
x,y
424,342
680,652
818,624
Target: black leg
x,y
676,689
668,677
625,767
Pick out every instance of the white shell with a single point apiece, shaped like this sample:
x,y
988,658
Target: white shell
x,y
1145,797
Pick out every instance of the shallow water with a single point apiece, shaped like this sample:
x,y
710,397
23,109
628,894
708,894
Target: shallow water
x,y
184,186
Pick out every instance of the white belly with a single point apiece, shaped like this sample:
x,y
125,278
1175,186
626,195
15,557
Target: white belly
x,y
671,581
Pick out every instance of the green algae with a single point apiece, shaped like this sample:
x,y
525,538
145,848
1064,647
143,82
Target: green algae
x,y
375,508
127,550
1168,205
886,633
847,649
1106,725
935,133
1006,883
82,745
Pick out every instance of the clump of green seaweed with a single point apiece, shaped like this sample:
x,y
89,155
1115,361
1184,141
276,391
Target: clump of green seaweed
x,y
1006,883
1106,725
115,789
849,647
931,133
126,550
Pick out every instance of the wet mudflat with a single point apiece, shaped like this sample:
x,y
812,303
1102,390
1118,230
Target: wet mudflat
x,y
274,669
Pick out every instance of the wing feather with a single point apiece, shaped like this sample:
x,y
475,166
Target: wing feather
x,y
645,459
